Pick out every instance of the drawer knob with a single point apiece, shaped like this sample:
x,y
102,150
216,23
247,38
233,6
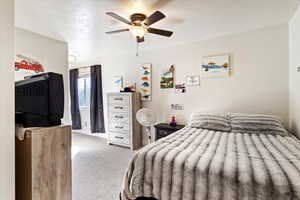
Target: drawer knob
x,y
119,127
119,137
118,99
118,107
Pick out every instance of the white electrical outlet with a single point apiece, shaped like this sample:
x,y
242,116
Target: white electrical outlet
x,y
298,68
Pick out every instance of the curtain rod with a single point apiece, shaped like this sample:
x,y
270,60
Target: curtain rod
x,y
82,67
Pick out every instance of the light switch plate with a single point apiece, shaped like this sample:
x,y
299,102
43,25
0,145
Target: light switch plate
x,y
298,68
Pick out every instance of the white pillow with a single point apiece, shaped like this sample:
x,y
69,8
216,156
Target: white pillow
x,y
212,121
256,123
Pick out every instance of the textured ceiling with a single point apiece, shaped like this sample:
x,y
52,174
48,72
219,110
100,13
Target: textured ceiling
x,y
82,23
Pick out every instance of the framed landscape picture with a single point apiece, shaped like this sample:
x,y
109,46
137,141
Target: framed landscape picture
x,y
215,66
167,78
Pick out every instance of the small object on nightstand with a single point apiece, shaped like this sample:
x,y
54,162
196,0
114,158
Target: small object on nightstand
x,y
173,122
163,130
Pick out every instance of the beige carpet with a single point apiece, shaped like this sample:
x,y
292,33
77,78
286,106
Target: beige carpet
x,y
98,169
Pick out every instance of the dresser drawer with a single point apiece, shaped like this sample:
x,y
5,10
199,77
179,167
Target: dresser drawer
x,y
118,108
118,127
119,117
119,138
118,99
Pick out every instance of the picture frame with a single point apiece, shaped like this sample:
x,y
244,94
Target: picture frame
x,y
217,66
118,82
146,82
192,81
167,78
180,88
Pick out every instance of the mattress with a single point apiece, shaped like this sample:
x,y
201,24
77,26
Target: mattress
x,y
201,164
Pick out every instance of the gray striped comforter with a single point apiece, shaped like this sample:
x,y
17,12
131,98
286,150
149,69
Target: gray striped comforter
x,y
201,164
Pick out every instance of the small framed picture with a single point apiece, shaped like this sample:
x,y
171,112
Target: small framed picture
x,y
193,81
180,88
118,82
167,78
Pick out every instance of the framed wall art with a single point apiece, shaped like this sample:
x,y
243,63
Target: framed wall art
x,y
146,82
215,66
118,82
167,78
193,81
180,88
29,64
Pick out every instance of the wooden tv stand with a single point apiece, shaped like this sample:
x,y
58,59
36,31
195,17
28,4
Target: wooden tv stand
x,y
43,164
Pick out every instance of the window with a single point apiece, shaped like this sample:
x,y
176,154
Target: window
x,y
84,91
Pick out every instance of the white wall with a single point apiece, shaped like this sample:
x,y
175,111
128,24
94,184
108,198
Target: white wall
x,y
294,30
258,82
52,54
85,119
7,136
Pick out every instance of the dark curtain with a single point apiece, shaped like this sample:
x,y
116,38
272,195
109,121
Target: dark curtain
x,y
75,112
96,108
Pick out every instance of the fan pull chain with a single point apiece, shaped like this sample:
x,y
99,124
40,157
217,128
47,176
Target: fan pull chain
x,y
137,49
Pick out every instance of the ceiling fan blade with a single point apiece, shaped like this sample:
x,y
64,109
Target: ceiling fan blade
x,y
155,17
160,32
140,39
117,31
118,17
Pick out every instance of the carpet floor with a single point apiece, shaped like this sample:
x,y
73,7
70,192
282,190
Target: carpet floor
x,y
98,169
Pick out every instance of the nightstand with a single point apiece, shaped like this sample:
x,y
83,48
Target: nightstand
x,y
163,130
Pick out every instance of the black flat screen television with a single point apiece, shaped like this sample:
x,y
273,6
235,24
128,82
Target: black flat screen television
x,y
39,100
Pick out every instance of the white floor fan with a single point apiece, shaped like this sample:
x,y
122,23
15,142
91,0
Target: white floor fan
x,y
146,118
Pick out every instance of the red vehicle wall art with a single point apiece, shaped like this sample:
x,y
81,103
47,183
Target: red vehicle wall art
x,y
23,62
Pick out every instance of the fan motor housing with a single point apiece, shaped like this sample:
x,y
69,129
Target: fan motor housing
x,y
137,18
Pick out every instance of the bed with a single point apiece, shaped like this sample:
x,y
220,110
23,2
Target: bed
x,y
197,163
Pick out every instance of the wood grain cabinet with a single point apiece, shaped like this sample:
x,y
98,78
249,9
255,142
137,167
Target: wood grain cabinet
x,y
123,129
43,164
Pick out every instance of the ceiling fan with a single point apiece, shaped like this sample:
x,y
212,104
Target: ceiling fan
x,y
140,24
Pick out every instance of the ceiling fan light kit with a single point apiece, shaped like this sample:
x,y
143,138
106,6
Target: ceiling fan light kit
x,y
138,31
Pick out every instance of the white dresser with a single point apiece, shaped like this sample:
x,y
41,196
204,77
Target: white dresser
x,y
123,129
